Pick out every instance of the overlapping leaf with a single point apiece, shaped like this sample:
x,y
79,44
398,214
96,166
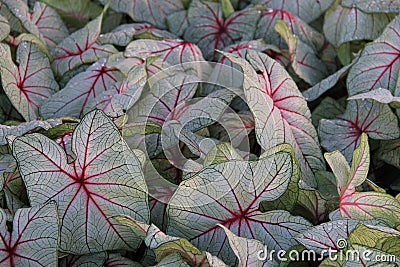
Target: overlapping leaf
x,y
349,24
361,205
152,11
104,180
210,30
81,47
280,112
361,116
34,239
229,193
30,82
4,28
73,99
379,63
43,21
380,95
307,10
382,6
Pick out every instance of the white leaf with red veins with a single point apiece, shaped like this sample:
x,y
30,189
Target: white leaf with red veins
x,y
280,112
152,11
43,21
80,48
379,63
29,83
74,98
362,116
93,260
229,194
34,239
210,31
307,10
105,180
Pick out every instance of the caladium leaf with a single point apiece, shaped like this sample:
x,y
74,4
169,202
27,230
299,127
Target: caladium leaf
x,y
221,153
379,63
80,48
4,28
43,21
389,151
30,82
95,260
320,88
75,12
210,30
380,95
229,193
280,112
7,164
372,236
361,116
177,22
14,192
361,205
265,29
152,11
215,261
24,128
329,108
383,6
344,25
34,239
307,10
247,250
81,90
327,235
124,34
172,260
86,188
170,52
305,62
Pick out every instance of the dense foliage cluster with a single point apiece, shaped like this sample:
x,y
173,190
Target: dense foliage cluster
x,y
199,133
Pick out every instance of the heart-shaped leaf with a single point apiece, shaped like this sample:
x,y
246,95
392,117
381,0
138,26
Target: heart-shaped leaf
x,y
34,239
81,47
210,30
229,193
379,63
152,11
361,116
280,111
104,180
344,25
73,99
361,205
30,82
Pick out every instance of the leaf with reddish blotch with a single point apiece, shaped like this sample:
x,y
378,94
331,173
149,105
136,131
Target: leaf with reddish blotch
x,y
211,31
152,11
229,194
83,88
105,180
280,111
125,33
34,239
80,48
305,33
362,116
29,83
361,205
351,24
307,10
379,63
43,21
